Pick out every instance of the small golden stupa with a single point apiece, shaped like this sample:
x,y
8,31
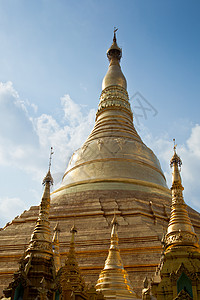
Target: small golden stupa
x,y
113,280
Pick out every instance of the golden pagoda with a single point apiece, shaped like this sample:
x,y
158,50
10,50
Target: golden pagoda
x,y
177,276
113,155
113,170
36,273
113,281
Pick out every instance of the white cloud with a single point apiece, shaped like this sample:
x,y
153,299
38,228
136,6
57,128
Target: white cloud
x,y
10,208
26,138
65,138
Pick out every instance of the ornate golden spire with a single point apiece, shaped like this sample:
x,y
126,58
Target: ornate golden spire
x,y
113,280
56,247
40,244
180,231
114,76
71,268
72,255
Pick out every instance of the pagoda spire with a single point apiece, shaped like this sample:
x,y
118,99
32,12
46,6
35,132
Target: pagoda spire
x,y
114,52
113,280
175,277
69,278
40,244
71,265
37,268
114,76
71,258
180,231
56,247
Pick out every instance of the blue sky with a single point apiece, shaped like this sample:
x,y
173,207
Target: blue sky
x,y
52,62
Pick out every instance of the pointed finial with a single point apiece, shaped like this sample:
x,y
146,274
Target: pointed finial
x,y
114,52
114,38
175,158
114,220
175,145
73,229
48,177
50,157
146,282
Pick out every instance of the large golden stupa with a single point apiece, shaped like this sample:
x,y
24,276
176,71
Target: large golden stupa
x,y
113,171
113,155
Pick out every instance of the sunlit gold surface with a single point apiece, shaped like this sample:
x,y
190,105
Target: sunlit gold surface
x,y
114,76
113,281
113,152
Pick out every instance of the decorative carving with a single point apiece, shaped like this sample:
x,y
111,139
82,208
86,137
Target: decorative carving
x,y
114,96
180,237
41,245
120,142
183,295
177,196
100,143
182,269
84,147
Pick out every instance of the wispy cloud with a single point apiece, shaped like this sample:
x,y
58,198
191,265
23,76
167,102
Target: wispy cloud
x,y
26,138
6,208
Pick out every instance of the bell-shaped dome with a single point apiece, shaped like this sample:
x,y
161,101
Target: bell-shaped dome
x,y
114,156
